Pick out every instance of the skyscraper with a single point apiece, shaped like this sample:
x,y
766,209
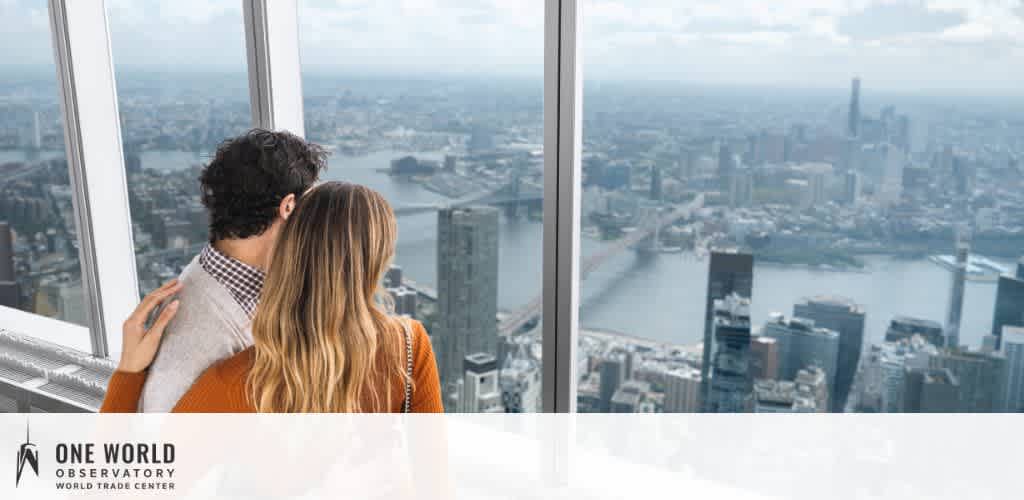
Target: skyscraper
x,y
467,287
802,345
847,318
902,132
726,165
893,161
930,390
393,276
612,376
883,371
1009,308
404,300
764,357
904,327
9,290
731,384
480,392
37,134
956,296
982,379
851,187
741,188
853,128
656,183
682,391
728,272
1013,349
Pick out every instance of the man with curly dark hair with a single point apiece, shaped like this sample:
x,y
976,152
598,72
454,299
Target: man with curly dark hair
x,y
249,189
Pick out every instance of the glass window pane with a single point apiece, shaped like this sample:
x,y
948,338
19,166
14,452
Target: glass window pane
x,y
438,106
182,88
797,208
39,264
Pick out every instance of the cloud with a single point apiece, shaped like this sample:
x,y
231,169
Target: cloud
x,y
967,32
907,43
737,26
897,19
27,27
183,34
432,36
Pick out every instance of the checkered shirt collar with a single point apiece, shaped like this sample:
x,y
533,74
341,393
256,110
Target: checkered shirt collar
x,y
243,281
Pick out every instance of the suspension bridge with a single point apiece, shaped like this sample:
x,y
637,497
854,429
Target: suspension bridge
x,y
502,196
531,311
517,319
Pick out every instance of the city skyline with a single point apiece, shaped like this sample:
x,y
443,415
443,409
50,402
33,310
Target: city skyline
x,y
241,122
842,203
630,395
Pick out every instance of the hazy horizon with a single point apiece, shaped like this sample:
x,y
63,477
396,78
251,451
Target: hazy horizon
x,y
376,75
909,46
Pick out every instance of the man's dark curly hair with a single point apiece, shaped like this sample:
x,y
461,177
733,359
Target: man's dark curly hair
x,y
249,176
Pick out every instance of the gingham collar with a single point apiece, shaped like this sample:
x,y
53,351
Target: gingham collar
x,y
243,281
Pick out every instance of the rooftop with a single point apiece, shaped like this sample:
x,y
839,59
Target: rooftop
x,y
915,323
834,302
480,362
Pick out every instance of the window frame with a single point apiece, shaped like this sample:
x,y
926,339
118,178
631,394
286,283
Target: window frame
x,y
85,68
563,95
275,76
92,133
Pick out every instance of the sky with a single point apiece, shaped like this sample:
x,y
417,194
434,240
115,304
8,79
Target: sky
x,y
906,45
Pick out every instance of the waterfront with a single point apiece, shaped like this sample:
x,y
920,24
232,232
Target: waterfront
x,y
661,297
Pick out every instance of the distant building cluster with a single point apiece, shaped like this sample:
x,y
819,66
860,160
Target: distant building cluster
x,y
821,187
814,361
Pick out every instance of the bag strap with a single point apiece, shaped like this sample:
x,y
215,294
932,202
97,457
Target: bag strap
x,y
407,406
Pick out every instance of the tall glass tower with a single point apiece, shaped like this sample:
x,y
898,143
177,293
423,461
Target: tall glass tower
x,y
731,384
1009,308
846,317
854,124
728,272
467,288
956,297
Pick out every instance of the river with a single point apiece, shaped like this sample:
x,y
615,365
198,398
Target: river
x,y
661,297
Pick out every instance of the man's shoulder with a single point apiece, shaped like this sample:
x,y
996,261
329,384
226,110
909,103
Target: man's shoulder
x,y
201,295
207,319
208,327
193,273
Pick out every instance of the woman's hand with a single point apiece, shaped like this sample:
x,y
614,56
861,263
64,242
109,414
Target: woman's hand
x,y
139,345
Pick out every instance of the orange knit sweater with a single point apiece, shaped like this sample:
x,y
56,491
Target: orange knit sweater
x,y
222,388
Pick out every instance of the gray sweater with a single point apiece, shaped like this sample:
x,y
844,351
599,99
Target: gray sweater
x,y
210,326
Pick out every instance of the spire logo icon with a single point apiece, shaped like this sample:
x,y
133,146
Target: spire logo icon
x,y
27,454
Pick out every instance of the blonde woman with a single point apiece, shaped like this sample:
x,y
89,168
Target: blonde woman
x,y
322,339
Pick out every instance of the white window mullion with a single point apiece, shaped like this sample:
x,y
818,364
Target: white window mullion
x,y
93,136
562,172
275,80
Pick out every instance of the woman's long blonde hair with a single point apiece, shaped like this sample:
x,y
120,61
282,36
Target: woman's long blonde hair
x,y
324,339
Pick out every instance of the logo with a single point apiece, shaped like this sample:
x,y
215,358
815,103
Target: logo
x,y
27,454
